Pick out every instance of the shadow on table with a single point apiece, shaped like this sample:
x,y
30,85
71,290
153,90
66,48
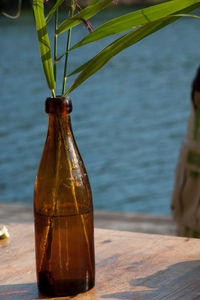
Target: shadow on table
x,y
18,291
27,291
179,281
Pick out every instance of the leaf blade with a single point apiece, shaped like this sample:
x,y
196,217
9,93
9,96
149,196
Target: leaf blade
x,y
137,18
97,62
84,14
44,44
53,9
110,51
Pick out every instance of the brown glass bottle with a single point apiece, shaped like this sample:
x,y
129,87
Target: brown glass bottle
x,y
63,210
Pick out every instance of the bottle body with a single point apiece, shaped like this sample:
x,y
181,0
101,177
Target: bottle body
x,y
67,270
63,212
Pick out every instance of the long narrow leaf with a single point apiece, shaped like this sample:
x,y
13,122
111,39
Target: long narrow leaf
x,y
44,45
96,63
163,22
84,14
187,16
111,50
78,70
53,9
138,18
93,2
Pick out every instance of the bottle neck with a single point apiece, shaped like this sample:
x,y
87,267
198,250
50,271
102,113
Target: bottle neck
x,y
59,125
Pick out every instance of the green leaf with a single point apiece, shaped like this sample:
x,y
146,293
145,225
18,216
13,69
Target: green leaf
x,y
44,45
138,18
111,50
84,14
53,9
97,62
81,68
187,16
78,70
93,2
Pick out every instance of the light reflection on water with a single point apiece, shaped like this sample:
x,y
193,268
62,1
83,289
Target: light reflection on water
x,y
129,119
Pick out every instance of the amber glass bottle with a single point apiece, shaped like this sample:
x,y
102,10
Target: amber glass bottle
x,y
63,210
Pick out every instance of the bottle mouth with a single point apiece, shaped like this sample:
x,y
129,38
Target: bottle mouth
x,y
58,105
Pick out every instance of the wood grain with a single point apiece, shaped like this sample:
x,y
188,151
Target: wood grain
x,y
128,266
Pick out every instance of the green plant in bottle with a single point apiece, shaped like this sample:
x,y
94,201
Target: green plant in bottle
x,y
62,198
139,24
64,217
63,210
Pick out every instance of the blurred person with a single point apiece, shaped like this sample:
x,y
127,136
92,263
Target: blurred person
x,y
185,205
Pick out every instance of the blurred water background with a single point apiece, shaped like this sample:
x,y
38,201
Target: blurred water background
x,y
129,119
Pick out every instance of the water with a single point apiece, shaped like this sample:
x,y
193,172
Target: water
x,y
128,120
65,260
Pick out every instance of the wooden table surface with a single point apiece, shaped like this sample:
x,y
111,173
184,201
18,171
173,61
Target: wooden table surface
x,y
128,266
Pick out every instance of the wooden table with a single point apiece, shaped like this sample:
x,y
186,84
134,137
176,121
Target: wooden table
x,y
128,266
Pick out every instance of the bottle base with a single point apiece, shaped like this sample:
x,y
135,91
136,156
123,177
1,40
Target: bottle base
x,y
60,288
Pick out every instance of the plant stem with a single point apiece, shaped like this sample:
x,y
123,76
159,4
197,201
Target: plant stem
x,y
55,43
67,49
53,93
47,240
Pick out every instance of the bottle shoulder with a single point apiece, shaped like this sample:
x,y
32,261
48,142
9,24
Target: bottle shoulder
x,y
62,176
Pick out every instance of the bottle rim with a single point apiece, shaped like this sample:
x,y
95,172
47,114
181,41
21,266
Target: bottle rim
x,y
58,105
